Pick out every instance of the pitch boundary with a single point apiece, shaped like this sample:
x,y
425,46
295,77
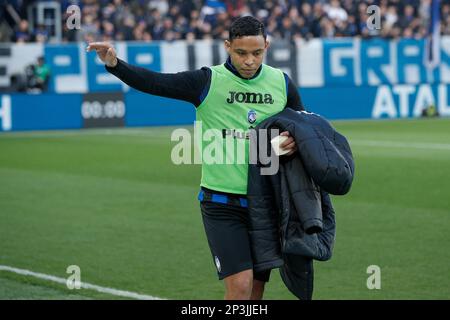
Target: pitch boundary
x,y
84,285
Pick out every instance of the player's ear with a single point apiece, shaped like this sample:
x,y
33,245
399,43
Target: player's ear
x,y
267,45
227,44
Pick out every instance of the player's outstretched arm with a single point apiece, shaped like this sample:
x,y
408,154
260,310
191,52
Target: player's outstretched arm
x,y
187,86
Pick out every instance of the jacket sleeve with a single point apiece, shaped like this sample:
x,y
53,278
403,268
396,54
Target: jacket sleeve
x,y
325,153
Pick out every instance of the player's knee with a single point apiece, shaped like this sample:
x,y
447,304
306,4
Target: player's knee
x,y
257,290
244,285
240,286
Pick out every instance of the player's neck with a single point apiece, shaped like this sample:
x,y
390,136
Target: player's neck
x,y
230,67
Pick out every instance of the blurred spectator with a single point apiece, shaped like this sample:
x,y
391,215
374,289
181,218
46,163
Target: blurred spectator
x,y
146,20
22,33
41,34
42,75
35,78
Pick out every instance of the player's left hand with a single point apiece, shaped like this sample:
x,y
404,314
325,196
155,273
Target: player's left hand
x,y
289,144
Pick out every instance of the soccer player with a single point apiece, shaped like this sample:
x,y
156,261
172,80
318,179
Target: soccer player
x,y
230,97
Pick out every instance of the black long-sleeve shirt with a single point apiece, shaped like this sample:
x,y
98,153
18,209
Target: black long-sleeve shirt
x,y
190,86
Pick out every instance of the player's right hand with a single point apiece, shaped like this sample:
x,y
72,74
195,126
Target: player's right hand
x,y
105,52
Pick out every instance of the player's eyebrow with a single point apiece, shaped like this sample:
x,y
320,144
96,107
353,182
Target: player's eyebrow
x,y
244,51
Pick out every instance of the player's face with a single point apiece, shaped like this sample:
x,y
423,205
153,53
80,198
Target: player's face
x,y
247,54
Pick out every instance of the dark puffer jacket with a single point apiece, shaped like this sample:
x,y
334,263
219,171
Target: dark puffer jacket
x,y
291,214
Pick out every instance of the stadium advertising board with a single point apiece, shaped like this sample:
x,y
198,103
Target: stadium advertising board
x,y
339,79
103,110
40,112
134,109
317,63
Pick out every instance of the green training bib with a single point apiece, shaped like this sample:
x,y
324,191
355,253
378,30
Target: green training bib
x,y
233,106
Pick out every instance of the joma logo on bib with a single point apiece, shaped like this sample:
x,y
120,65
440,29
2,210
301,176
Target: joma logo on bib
x,y
250,97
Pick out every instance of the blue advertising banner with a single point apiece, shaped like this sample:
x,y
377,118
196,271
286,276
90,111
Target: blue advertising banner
x,y
316,63
357,62
40,112
53,111
381,102
147,110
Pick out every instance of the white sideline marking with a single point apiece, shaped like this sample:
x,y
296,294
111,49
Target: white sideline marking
x,y
395,144
40,135
165,133
150,132
84,285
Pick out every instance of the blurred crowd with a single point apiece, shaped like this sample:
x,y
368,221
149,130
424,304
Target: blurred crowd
x,y
147,20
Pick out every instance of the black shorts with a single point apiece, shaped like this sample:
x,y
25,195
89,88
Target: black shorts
x,y
226,228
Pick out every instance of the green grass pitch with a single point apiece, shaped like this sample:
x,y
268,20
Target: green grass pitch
x,y
112,202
